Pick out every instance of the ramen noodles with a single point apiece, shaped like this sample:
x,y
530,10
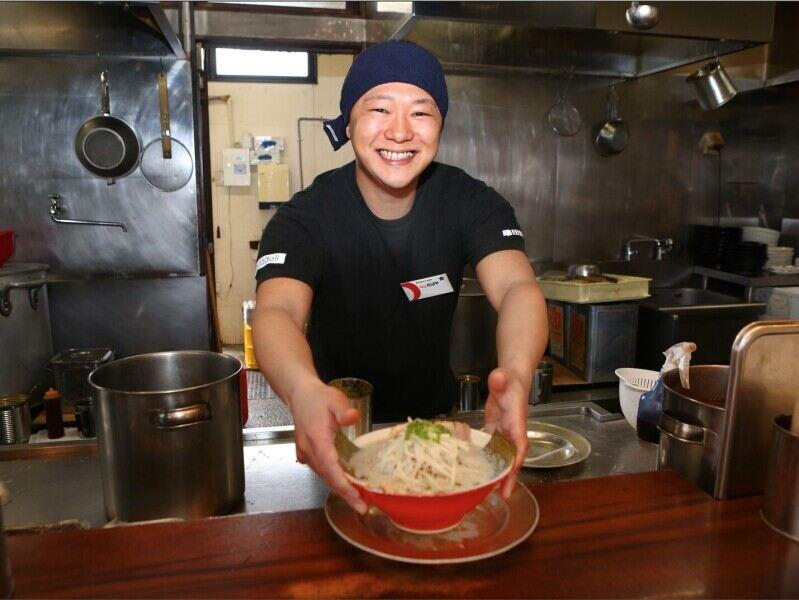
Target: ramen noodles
x,y
424,457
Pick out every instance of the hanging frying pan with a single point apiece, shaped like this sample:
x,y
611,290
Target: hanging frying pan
x,y
106,145
166,163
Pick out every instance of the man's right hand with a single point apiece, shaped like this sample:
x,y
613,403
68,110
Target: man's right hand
x,y
319,411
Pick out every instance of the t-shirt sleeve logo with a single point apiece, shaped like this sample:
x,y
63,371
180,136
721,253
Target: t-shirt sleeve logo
x,y
511,232
278,258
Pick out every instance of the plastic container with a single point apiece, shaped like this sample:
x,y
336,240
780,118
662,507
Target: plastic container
x,y
633,383
601,338
248,308
579,292
72,368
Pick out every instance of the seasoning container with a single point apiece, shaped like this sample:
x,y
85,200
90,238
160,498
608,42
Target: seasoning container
x,y
72,368
53,414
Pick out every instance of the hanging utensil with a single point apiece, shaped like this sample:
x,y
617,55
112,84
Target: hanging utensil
x,y
642,16
712,86
611,135
563,116
107,146
166,163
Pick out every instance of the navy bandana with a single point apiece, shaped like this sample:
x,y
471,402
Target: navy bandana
x,y
387,62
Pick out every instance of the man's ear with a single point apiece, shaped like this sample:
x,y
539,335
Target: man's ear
x,y
347,130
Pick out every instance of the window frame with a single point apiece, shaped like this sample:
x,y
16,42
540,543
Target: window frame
x,y
211,48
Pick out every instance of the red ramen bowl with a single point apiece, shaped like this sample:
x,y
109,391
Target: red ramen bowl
x,y
434,513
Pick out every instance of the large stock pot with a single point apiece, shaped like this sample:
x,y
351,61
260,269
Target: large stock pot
x,y
692,423
169,435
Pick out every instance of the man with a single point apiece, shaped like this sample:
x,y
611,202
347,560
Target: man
x,y
374,252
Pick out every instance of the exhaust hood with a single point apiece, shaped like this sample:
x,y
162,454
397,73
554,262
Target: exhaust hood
x,y
590,38
87,28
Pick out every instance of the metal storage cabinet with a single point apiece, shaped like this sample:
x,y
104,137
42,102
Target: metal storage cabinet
x,y
601,338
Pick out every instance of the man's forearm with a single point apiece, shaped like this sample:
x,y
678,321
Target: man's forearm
x,y
283,353
522,330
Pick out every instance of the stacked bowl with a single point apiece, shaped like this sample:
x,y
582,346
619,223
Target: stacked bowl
x,y
779,256
712,244
746,257
761,235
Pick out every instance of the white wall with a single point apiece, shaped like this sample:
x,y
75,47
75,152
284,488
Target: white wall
x,y
264,109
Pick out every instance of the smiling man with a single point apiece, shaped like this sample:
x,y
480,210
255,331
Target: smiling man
x,y
371,256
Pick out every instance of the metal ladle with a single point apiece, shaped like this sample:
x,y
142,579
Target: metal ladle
x,y
642,16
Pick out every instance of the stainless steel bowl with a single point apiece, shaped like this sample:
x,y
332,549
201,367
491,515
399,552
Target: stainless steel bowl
x,y
584,270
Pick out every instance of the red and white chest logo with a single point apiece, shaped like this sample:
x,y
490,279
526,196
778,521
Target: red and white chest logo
x,y
427,287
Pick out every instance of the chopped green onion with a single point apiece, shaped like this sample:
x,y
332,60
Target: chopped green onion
x,y
426,430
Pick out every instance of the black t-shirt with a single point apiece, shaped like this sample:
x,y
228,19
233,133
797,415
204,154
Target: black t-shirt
x,y
363,322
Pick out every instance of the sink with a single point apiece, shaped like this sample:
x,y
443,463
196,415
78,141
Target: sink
x,y
685,296
683,314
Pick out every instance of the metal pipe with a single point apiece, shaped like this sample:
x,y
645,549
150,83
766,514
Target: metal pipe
x,y
55,208
187,30
299,141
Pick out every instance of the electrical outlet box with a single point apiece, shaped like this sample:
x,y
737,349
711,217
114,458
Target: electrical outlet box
x,y
235,167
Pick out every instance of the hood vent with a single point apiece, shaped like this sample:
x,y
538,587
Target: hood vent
x,y
137,29
590,38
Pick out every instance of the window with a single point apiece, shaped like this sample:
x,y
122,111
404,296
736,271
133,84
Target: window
x,y
257,65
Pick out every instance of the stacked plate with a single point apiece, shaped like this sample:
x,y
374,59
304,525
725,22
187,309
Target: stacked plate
x,y
761,235
713,244
746,257
779,256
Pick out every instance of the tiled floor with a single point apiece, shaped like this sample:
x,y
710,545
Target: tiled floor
x,y
265,408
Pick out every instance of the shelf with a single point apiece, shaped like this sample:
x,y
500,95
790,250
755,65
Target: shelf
x,y
750,281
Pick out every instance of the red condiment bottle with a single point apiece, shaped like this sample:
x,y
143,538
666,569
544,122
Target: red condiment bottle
x,y
52,411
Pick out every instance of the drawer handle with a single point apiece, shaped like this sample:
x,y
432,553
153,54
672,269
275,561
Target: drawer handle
x,y
183,416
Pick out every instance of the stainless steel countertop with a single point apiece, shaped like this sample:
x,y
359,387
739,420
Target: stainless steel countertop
x,y
60,482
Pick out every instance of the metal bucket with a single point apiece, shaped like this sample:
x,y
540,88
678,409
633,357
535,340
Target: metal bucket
x,y
169,435
692,422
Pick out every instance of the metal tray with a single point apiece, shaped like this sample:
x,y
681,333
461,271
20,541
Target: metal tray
x,y
552,446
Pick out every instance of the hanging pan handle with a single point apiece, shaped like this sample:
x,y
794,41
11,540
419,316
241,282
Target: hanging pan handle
x,y
163,100
105,95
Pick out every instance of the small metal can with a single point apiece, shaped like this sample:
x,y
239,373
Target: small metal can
x,y
15,419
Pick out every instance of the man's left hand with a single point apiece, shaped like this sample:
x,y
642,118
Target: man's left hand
x,y
506,410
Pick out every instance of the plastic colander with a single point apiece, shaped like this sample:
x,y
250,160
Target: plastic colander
x,y
633,383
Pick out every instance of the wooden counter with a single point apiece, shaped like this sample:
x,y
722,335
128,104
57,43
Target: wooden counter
x,y
642,535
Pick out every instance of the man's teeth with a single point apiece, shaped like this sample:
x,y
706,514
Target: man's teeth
x,y
395,155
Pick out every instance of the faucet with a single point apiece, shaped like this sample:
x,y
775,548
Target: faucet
x,y
662,246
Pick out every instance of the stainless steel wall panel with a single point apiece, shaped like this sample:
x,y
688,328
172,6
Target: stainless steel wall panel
x,y
575,205
131,316
42,105
496,130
